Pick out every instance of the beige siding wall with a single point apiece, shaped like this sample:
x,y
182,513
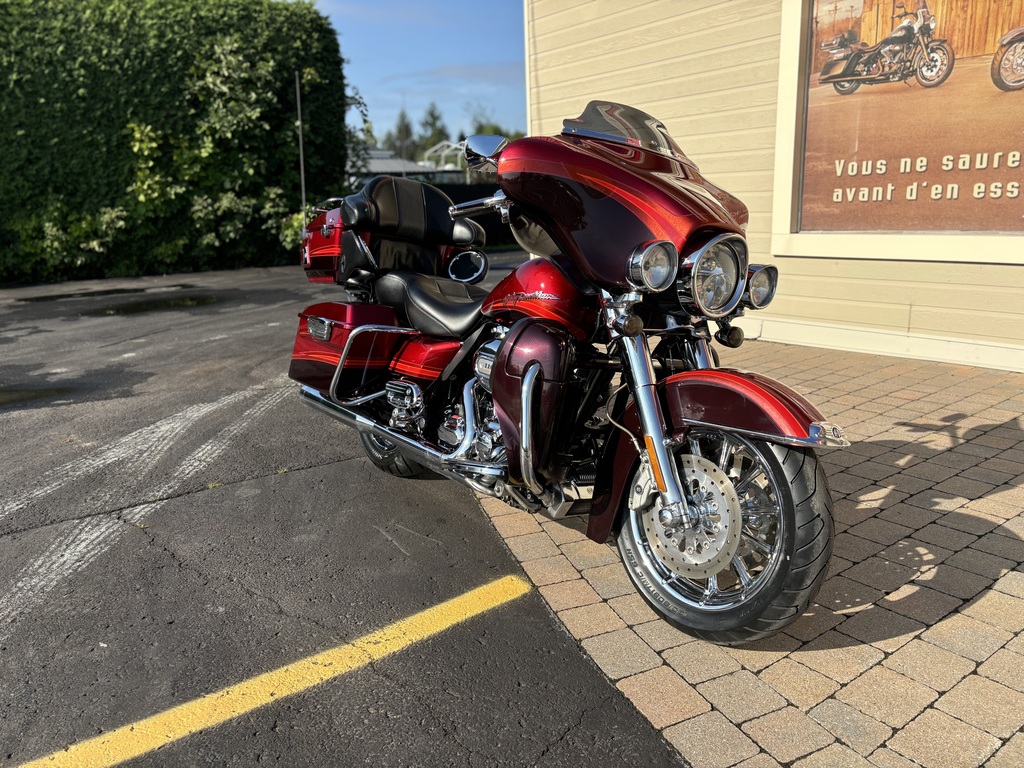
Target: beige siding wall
x,y
710,71
970,301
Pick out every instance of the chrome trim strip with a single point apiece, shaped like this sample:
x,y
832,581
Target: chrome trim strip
x,y
817,439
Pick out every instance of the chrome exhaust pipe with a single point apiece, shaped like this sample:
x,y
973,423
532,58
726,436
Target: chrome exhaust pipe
x,y
432,457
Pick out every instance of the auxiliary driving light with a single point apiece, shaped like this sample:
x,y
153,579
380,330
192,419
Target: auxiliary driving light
x,y
762,280
652,266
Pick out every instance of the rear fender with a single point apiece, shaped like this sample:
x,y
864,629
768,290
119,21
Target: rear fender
x,y
720,398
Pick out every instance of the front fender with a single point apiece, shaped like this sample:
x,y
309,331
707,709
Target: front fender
x,y
719,398
1012,35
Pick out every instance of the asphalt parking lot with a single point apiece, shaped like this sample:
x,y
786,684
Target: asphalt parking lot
x,y
197,569
175,524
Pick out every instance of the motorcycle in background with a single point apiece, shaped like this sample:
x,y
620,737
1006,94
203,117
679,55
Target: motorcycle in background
x,y
908,51
585,382
1007,68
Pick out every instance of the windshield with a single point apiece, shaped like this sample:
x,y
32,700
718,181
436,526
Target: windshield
x,y
623,125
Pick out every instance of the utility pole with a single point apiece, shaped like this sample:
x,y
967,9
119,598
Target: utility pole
x,y
302,159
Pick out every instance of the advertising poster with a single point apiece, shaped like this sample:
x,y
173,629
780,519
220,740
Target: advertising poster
x,y
914,117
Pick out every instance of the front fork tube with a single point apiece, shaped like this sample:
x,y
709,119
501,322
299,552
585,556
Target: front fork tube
x,y
663,467
924,47
702,356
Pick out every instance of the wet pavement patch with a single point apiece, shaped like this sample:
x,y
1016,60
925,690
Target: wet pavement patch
x,y
155,305
108,292
12,395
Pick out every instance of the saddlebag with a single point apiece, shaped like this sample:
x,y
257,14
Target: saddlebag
x,y
322,248
324,331
832,69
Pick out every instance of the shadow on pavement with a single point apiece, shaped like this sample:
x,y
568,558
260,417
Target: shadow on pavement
x,y
924,529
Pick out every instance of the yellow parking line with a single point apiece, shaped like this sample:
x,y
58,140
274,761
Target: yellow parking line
x,y
212,709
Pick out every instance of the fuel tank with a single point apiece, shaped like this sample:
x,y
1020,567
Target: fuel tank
x,y
599,200
540,290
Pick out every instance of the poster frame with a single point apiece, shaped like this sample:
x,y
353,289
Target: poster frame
x,y
788,241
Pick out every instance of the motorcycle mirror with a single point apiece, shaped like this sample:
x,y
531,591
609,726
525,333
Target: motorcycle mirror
x,y
482,151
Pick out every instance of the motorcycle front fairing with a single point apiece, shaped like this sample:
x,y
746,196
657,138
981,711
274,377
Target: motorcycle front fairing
x,y
609,183
721,399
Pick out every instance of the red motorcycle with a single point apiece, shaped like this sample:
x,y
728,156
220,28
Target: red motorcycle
x,y
550,393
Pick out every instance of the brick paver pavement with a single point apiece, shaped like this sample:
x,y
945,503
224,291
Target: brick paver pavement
x,y
912,654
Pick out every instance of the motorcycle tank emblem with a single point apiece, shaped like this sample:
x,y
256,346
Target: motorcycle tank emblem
x,y
514,299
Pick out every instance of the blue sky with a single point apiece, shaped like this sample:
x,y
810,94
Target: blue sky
x,y
461,54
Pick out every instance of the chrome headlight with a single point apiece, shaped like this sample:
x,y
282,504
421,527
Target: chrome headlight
x,y
652,266
713,278
762,280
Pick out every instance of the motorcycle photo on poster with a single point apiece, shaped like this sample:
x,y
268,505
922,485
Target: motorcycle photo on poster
x,y
911,117
910,50
585,384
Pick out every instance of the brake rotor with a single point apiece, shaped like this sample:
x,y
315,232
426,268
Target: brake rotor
x,y
710,542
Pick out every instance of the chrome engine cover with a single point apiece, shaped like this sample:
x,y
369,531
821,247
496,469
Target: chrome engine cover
x,y
483,362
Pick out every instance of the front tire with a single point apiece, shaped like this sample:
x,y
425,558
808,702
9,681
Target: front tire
x,y
1007,68
385,455
763,546
933,70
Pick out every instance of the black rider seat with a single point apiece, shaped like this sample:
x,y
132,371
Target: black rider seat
x,y
432,305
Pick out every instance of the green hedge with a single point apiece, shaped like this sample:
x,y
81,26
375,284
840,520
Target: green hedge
x,y
153,136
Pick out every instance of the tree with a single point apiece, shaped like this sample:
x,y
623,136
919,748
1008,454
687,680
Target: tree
x,y
144,136
432,128
483,122
401,140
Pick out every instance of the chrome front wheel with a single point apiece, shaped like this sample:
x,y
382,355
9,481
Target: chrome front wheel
x,y
755,545
933,69
1007,68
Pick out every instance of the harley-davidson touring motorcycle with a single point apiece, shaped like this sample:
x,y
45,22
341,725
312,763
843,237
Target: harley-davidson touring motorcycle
x,y
1007,68
585,382
908,51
